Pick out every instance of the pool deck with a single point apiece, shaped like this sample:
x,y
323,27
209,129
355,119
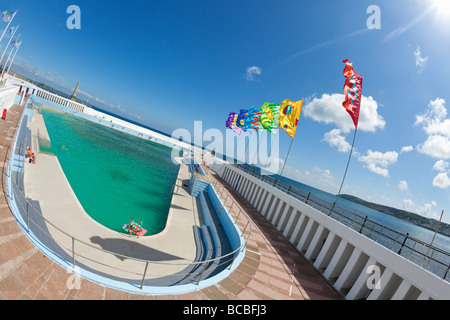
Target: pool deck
x,y
271,269
46,183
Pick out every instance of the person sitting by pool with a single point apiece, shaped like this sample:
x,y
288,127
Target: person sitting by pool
x,y
31,155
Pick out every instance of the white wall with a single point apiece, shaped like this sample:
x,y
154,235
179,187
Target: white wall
x,y
7,96
343,256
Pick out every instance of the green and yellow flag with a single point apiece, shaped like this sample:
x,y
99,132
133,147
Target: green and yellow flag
x,y
270,114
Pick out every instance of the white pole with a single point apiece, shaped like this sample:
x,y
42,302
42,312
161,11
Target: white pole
x,y
1,38
431,244
8,43
17,49
3,71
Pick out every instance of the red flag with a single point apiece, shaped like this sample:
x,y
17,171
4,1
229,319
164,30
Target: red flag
x,y
352,90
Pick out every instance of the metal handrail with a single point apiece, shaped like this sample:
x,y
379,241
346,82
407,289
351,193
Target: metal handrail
x,y
19,193
365,226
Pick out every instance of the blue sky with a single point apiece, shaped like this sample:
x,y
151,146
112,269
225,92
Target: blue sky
x,y
170,63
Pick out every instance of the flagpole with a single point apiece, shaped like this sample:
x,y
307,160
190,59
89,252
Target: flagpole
x,y
7,44
15,53
348,163
7,60
247,142
12,18
235,152
284,164
270,152
257,148
433,238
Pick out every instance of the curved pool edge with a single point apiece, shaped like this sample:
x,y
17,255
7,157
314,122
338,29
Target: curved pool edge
x,y
88,275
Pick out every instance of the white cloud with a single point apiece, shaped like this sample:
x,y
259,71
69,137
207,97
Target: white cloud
x,y
424,210
329,109
403,185
436,146
377,162
441,165
335,139
437,126
406,149
408,204
420,61
441,180
252,72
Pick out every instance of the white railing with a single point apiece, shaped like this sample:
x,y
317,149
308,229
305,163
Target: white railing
x,y
356,266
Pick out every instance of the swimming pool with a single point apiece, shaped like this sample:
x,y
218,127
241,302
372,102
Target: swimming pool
x,y
115,176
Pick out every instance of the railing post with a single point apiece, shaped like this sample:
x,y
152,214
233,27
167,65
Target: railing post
x,y
201,274
332,208
143,277
225,201
446,271
28,220
73,252
403,244
362,226
231,207
237,218
307,198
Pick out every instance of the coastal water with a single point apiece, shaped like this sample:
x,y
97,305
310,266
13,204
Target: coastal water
x,y
115,176
441,241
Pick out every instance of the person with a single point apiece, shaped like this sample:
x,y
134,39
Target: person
x,y
31,156
63,147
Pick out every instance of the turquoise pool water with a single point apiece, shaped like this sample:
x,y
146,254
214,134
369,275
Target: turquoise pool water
x,y
115,176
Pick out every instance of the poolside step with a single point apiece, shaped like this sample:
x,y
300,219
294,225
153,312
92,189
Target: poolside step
x,y
18,158
207,239
17,166
219,239
201,250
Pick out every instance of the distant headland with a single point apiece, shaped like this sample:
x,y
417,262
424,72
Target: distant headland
x,y
413,218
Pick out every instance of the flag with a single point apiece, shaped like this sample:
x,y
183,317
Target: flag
x,y
11,30
6,15
15,43
231,123
289,116
240,121
253,119
270,114
352,90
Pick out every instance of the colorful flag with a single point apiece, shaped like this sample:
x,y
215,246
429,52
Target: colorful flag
x,y
352,90
11,30
15,43
240,122
270,114
6,15
253,119
231,123
289,116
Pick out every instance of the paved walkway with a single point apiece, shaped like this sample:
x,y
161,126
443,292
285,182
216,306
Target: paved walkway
x,y
271,269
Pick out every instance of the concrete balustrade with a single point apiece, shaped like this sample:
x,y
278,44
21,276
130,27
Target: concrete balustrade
x,y
7,96
59,100
355,265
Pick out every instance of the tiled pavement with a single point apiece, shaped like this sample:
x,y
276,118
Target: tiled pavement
x,y
271,270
